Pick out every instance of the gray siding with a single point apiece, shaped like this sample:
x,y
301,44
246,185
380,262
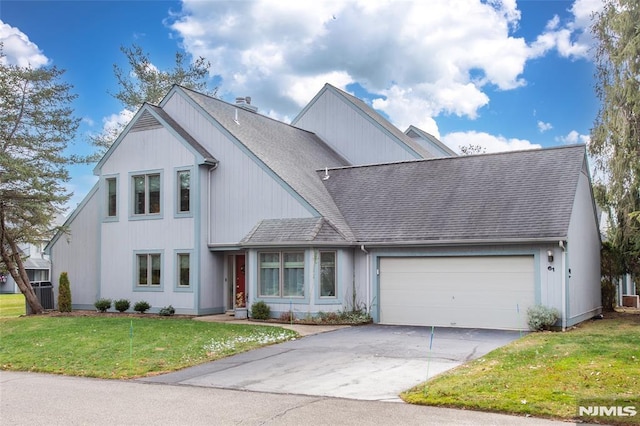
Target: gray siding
x,y
242,191
351,133
148,151
77,252
583,257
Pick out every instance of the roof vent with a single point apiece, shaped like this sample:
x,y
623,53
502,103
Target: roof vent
x,y
246,104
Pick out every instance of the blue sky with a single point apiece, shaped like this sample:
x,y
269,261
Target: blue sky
x,y
501,74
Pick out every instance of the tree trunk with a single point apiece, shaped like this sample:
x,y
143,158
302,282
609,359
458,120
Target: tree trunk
x,y
13,262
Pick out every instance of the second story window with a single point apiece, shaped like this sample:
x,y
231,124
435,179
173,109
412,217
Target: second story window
x,y
184,191
112,197
146,194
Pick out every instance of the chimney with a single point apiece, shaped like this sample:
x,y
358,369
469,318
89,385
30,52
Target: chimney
x,y
245,103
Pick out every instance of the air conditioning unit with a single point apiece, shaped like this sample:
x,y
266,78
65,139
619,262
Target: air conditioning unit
x,y
631,301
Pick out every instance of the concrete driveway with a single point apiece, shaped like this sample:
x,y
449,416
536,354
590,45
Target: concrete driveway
x,y
373,362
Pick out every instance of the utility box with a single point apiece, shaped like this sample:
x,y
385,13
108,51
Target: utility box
x,y
631,301
44,293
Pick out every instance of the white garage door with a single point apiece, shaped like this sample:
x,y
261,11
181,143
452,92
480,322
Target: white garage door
x,y
474,292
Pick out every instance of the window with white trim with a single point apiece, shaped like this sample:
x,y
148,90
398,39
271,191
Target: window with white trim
x,y
146,194
327,274
149,269
281,274
184,191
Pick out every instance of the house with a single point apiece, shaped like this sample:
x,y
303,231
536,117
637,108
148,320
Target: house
x,y
208,206
36,264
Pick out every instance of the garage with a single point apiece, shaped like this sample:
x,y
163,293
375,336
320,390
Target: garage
x,y
470,292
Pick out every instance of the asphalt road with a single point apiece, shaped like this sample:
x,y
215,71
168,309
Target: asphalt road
x,y
41,399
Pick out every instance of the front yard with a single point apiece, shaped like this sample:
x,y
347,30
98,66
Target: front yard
x,y
123,347
547,374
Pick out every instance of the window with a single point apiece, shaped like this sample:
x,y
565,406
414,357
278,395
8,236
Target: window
x,y
281,274
184,191
327,274
184,270
112,197
149,269
146,194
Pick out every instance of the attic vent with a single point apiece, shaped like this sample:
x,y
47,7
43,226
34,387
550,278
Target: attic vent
x,y
246,104
145,122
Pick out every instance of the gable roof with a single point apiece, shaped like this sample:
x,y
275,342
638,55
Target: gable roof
x,y
434,142
314,230
510,196
292,154
151,116
373,116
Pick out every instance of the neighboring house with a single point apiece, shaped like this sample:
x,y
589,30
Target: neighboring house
x,y
36,263
206,206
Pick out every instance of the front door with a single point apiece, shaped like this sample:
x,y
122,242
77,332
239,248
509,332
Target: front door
x,y
240,293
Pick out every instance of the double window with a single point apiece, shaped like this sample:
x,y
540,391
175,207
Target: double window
x,y
149,269
146,194
281,274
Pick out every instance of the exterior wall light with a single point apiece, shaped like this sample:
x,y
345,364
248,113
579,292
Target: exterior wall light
x,y
550,256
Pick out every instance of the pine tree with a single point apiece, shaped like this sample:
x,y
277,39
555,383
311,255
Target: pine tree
x,y
64,293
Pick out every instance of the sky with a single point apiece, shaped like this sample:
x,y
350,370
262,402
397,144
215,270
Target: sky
x,y
504,75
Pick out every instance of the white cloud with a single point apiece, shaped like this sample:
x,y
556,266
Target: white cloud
x,y
543,127
18,49
422,59
490,143
572,39
573,137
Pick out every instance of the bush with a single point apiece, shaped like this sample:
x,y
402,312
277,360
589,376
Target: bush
x,y
103,304
64,293
541,317
141,307
121,305
260,311
287,316
167,311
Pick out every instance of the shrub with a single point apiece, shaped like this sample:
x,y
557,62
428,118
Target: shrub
x,y
103,304
141,307
287,316
541,317
121,305
64,293
260,311
167,311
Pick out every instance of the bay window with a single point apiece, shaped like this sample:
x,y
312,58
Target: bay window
x,y
281,274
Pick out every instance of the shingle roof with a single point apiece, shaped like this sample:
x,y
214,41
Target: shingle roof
x,y
291,153
292,231
497,197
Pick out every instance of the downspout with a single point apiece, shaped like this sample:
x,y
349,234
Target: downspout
x,y
368,275
563,274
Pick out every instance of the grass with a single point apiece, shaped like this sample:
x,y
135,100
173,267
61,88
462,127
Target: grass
x,y
101,347
546,374
11,305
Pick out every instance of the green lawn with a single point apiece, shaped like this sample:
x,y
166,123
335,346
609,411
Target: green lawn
x,y
546,374
123,347
11,305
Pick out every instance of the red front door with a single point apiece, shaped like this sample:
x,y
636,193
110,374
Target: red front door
x,y
241,294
